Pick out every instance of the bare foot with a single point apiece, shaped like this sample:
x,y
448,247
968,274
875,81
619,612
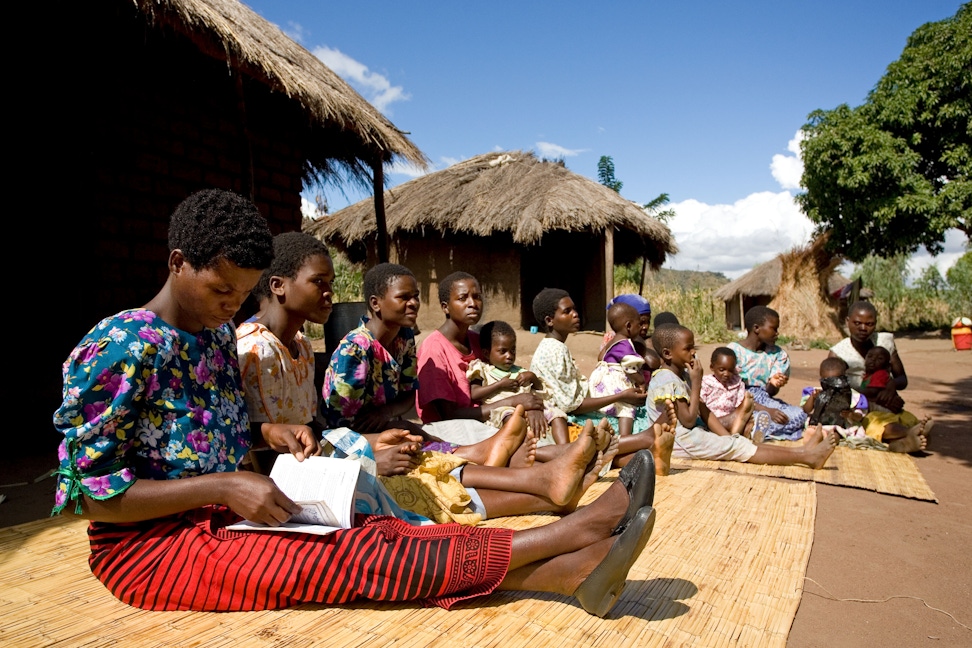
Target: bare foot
x,y
592,475
743,415
565,473
671,413
611,451
661,449
526,455
818,447
926,427
508,440
914,440
603,433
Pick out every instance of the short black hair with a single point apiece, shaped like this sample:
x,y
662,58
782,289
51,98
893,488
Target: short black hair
x,y
759,315
497,328
545,304
619,313
290,252
665,337
833,365
864,307
666,317
881,350
450,280
379,279
215,224
722,352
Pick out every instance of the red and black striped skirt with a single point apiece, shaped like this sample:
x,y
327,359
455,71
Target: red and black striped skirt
x,y
191,562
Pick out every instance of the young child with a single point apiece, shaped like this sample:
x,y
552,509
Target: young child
x,y
640,337
554,364
834,404
726,398
620,366
495,376
676,346
877,368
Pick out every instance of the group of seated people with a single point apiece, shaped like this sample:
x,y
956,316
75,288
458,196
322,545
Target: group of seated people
x,y
171,420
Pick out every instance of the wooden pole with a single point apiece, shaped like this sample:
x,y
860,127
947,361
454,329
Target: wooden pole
x,y
378,185
742,315
608,263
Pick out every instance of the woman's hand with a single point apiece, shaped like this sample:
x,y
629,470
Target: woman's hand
x,y
528,401
778,380
398,460
888,397
298,440
633,396
257,498
394,437
537,422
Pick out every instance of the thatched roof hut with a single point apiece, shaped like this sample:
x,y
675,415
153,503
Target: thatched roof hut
x,y
157,99
517,223
799,284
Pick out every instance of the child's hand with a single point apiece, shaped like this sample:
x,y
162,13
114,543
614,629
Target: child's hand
x,y
397,460
778,416
695,371
507,383
525,378
852,416
778,380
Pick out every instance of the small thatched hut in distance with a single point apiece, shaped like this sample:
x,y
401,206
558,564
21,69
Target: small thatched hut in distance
x,y
798,284
517,223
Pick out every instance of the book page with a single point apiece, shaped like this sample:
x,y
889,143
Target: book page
x,y
324,488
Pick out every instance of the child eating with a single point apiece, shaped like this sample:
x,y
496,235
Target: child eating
x,y
834,404
496,376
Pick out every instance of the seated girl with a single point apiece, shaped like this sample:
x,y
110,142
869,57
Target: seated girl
x,y
765,368
554,364
725,396
495,377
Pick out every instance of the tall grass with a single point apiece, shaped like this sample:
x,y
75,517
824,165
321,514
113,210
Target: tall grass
x,y
695,308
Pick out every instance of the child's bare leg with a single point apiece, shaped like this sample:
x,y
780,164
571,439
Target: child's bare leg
x,y
743,413
814,452
556,480
904,439
499,448
559,430
712,422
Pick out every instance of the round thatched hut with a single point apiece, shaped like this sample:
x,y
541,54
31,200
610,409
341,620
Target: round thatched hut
x,y
516,222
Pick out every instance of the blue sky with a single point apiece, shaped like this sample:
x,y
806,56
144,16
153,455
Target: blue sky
x,y
699,100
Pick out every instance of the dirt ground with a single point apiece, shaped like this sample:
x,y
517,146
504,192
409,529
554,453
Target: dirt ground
x,y
883,571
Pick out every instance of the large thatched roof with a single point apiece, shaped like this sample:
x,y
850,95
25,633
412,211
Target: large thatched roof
x,y
511,192
348,128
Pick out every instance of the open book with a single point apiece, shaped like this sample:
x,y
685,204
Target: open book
x,y
324,488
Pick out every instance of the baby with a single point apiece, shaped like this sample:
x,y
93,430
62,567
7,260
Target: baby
x,y
726,398
834,404
877,368
495,376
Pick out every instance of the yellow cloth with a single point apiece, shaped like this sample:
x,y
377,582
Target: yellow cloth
x,y
431,491
874,422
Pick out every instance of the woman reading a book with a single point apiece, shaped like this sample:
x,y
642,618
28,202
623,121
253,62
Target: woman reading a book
x,y
155,426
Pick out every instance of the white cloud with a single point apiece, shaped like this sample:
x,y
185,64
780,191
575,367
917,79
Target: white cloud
x,y
733,238
295,31
788,169
375,87
309,209
555,151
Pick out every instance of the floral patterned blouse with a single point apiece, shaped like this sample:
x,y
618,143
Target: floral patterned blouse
x,y
362,372
144,400
565,385
279,388
757,367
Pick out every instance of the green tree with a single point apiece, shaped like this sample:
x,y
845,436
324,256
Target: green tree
x,y
605,174
654,208
959,278
886,277
896,172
